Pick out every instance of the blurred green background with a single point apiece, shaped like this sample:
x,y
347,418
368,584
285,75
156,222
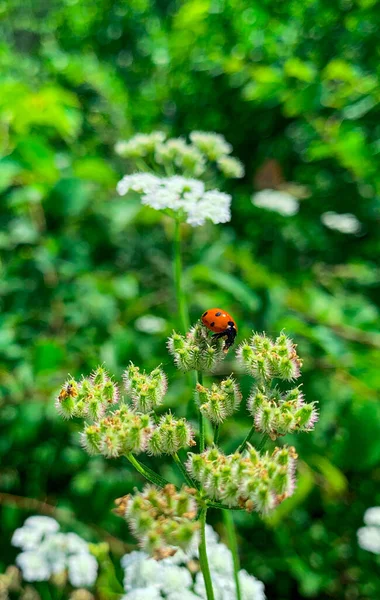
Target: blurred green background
x,y
296,82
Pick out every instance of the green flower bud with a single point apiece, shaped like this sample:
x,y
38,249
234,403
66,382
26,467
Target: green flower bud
x,y
147,391
220,401
170,435
196,350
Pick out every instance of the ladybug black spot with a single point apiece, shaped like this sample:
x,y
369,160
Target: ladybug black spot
x,y
212,324
231,323
218,314
205,313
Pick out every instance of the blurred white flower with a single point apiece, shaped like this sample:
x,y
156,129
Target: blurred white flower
x,y
345,222
251,588
33,565
140,571
186,197
150,324
369,539
140,145
231,167
372,516
83,569
281,202
145,593
183,595
42,524
213,145
26,538
174,579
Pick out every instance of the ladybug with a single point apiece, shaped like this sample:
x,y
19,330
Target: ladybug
x,y
219,321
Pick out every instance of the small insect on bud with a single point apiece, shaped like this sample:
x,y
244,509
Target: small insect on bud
x,y
147,391
162,520
66,402
220,401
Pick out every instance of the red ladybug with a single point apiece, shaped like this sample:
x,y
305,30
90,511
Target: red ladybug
x,y
219,321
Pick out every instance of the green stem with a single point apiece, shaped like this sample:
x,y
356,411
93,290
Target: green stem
x,y
233,546
147,472
203,556
184,473
181,299
201,421
246,439
216,434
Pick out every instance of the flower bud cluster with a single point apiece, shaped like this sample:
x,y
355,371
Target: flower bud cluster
x,y
220,401
250,480
140,145
89,398
184,156
170,435
146,391
266,359
119,433
162,520
195,350
276,413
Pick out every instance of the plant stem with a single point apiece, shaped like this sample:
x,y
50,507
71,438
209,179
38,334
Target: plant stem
x,y
184,473
233,546
216,434
203,556
181,298
246,439
147,472
199,379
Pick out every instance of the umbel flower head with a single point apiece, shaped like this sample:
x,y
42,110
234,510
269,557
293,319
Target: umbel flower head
x,y
195,350
170,435
254,481
180,197
277,413
220,401
266,359
162,520
89,398
118,433
146,391
206,151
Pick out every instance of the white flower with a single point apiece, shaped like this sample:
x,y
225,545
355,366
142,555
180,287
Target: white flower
x,y
26,538
369,539
220,560
140,571
186,157
231,167
372,516
182,195
281,202
182,595
42,524
33,565
140,145
145,593
213,145
150,324
172,578
83,569
250,587
345,222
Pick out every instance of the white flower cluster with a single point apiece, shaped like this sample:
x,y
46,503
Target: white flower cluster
x,y
175,155
147,579
369,536
185,198
281,202
345,223
47,552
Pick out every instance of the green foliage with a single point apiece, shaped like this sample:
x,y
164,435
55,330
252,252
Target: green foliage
x,y
295,82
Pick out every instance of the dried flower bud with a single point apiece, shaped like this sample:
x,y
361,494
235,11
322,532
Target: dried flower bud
x,y
162,520
147,391
266,359
170,435
119,433
277,414
249,480
196,350
220,401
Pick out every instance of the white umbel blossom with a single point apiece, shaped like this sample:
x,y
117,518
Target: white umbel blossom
x,y
82,569
372,516
231,167
213,145
34,566
186,197
140,145
344,223
281,202
369,539
145,593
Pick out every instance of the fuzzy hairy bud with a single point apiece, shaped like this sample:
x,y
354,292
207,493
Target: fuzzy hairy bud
x,y
162,520
170,435
147,391
250,480
266,359
220,401
196,350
